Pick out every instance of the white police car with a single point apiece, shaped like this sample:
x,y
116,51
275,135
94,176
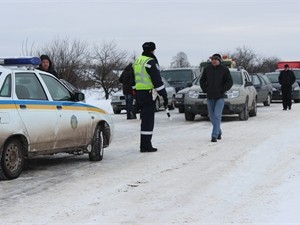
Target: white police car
x,y
40,115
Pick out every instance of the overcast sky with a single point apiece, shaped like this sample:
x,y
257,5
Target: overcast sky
x,y
198,28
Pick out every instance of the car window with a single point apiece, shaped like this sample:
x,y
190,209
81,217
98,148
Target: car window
x,y
273,77
237,77
177,75
262,80
266,79
247,76
255,80
57,91
28,86
297,73
69,86
6,87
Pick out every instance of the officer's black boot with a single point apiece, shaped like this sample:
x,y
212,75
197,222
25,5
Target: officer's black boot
x,y
146,145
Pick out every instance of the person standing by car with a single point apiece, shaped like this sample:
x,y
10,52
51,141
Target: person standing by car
x,y
46,65
126,79
148,83
286,78
215,81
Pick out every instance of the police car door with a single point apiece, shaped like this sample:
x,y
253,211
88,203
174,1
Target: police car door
x,y
36,112
74,121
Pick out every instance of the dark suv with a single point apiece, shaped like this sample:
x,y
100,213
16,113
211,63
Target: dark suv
x,y
180,78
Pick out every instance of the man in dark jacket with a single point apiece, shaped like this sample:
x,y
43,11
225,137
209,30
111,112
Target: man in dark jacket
x,y
215,81
286,78
126,79
46,65
148,83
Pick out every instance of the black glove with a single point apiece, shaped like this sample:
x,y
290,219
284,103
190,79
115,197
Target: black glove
x,y
165,102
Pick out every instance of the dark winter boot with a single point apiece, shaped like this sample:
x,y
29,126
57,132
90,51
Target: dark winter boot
x,y
133,116
146,145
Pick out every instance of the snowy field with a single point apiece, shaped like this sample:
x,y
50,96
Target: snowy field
x,y
251,176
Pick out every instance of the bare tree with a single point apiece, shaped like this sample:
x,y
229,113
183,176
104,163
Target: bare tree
x,y
249,60
180,61
267,64
107,65
71,60
246,58
28,50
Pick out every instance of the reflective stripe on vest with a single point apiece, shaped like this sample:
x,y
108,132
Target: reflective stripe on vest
x,y
142,78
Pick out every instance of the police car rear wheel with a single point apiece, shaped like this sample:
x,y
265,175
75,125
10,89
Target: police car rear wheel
x,y
97,151
12,160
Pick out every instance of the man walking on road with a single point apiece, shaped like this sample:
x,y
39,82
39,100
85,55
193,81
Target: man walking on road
x,y
148,83
215,81
286,78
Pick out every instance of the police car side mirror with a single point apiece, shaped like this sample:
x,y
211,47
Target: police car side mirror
x,y
79,96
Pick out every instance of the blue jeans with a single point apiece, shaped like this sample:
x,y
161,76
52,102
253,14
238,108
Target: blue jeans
x,y
215,110
129,101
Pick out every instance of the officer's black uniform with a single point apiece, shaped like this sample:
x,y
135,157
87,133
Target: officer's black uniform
x,y
145,99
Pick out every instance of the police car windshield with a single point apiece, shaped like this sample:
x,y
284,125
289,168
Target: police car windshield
x,y
177,75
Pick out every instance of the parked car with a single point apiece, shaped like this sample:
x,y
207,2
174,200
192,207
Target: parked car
x,y
180,95
39,115
118,102
240,99
180,77
277,94
263,88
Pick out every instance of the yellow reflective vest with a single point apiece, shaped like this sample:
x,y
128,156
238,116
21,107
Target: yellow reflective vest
x,y
142,78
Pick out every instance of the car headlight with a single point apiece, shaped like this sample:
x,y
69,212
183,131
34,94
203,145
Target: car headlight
x,y
296,88
233,94
274,89
179,95
193,94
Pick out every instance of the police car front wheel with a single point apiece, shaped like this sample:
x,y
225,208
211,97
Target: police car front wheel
x,y
12,160
97,151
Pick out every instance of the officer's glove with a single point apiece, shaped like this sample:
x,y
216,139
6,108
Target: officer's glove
x,y
165,102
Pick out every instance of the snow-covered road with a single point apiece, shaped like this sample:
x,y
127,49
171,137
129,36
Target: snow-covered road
x,y
251,176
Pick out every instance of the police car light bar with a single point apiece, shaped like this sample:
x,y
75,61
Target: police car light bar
x,y
20,61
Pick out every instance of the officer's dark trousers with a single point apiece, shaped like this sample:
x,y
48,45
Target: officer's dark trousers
x,y
286,96
147,106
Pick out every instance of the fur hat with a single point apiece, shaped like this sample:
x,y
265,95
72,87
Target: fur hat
x,y
149,46
43,57
217,57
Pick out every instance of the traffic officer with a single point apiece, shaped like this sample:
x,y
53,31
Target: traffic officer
x,y
148,82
